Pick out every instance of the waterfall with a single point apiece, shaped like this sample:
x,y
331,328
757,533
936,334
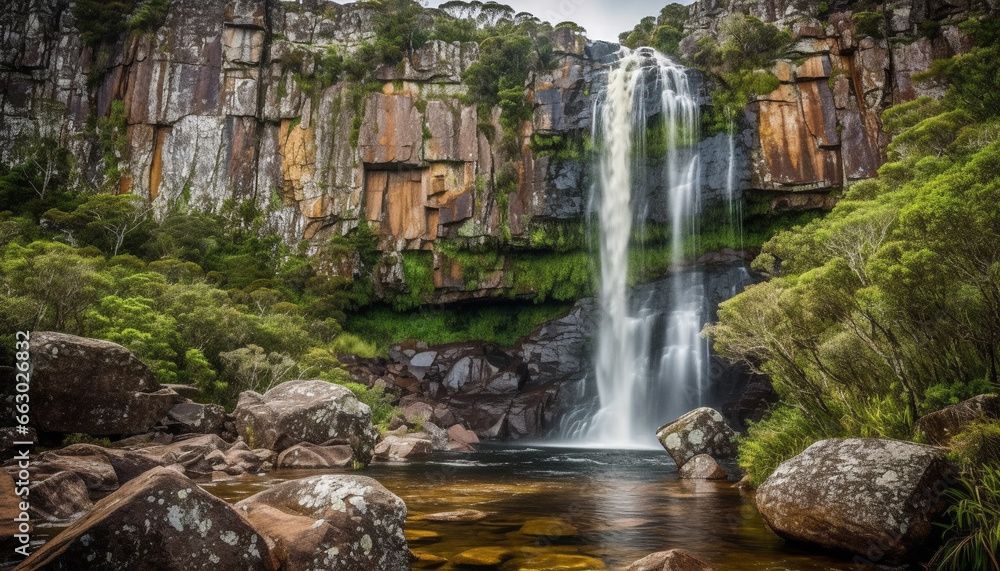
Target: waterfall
x,y
651,363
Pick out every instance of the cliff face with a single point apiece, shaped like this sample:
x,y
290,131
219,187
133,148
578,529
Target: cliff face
x,y
821,129
230,101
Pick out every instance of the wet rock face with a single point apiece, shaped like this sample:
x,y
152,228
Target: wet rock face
x,y
306,411
701,431
941,426
332,522
92,387
161,520
876,498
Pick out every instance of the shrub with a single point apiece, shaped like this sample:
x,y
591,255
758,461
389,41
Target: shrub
x,y
378,400
972,534
784,434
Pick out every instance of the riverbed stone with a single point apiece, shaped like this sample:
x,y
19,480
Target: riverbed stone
x,y
333,521
702,467
161,520
673,560
60,497
195,418
462,435
873,497
313,456
88,386
466,516
701,431
402,448
941,426
306,411
483,557
549,527
534,559
9,509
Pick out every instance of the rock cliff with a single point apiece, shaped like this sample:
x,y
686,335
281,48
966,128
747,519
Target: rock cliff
x,y
230,102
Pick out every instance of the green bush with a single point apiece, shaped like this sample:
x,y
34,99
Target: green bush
x,y
378,400
869,24
972,531
785,433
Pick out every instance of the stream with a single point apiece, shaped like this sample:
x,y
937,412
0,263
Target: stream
x,y
625,505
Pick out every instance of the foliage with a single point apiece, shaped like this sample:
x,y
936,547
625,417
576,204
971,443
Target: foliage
x,y
107,20
869,24
378,400
784,434
745,46
972,536
501,323
889,307
663,32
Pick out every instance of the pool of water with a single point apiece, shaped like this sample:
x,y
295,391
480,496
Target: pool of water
x,y
623,504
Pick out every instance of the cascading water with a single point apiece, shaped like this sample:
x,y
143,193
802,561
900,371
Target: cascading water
x,y
651,363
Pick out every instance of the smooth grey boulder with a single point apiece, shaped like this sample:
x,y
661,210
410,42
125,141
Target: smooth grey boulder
x,y
701,431
702,467
306,411
89,386
333,521
873,497
195,418
314,456
402,448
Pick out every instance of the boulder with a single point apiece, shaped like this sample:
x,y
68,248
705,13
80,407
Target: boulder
x,y
437,435
332,521
314,456
306,411
196,455
701,431
195,418
401,448
702,467
549,527
673,560
86,461
462,435
161,520
94,387
873,497
60,497
941,426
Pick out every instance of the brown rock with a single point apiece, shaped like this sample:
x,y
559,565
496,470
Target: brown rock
x,y
87,462
160,520
549,527
332,522
92,387
702,467
313,456
9,509
876,498
392,131
195,418
483,557
306,411
60,497
467,516
402,448
941,426
673,560
462,435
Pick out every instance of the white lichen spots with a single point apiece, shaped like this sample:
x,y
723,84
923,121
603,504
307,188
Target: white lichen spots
x,y
203,526
333,551
366,543
175,517
86,539
160,502
229,537
91,557
887,478
213,558
696,437
359,503
182,494
317,523
673,441
148,525
151,499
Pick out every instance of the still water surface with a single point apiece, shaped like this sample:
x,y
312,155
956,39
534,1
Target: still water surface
x,y
624,504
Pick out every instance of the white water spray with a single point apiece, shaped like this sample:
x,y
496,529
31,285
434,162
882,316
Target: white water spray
x,y
651,365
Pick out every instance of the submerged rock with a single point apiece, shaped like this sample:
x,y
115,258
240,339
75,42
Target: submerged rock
x,y
702,467
549,527
673,560
941,426
88,386
469,516
306,411
873,497
161,520
483,557
342,521
701,431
